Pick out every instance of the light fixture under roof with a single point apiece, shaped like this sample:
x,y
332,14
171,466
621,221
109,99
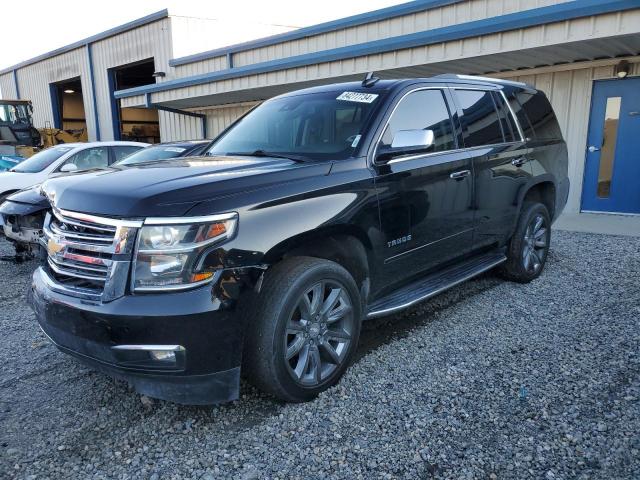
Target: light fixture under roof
x,y
69,90
622,69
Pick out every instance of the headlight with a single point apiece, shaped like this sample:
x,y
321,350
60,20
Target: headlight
x,y
170,250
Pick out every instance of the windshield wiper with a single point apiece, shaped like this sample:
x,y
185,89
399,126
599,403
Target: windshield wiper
x,y
262,153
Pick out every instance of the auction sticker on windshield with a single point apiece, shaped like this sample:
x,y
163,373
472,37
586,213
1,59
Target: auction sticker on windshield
x,y
357,97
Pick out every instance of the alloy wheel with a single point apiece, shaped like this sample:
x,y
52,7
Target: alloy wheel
x,y
535,244
319,333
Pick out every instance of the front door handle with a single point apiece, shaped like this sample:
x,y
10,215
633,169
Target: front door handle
x,y
518,162
593,148
460,175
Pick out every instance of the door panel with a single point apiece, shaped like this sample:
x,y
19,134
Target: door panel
x,y
500,177
612,170
501,169
425,214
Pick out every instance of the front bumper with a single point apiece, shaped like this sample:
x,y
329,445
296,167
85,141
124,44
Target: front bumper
x,y
206,328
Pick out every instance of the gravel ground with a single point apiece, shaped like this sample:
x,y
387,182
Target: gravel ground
x,y
489,380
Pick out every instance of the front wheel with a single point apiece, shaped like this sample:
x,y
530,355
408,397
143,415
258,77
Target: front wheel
x,y
529,246
302,329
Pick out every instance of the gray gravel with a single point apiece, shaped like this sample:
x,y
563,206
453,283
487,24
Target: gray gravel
x,y
489,380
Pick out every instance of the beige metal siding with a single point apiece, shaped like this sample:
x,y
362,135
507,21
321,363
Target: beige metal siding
x,y
149,41
34,81
598,27
175,127
181,127
220,118
426,20
7,86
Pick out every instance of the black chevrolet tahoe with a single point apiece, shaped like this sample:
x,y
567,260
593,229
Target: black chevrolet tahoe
x,y
314,212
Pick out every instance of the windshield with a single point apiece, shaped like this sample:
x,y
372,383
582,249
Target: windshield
x,y
150,154
14,113
315,126
41,160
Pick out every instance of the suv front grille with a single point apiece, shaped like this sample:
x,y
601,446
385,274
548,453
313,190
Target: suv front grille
x,y
90,255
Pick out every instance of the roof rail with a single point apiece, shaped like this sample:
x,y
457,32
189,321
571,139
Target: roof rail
x,y
475,78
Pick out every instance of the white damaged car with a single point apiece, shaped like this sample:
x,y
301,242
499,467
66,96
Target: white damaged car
x,y
68,157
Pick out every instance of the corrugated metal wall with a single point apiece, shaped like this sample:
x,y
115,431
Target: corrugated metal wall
x,y
426,20
220,118
152,40
7,86
182,127
466,50
34,81
570,94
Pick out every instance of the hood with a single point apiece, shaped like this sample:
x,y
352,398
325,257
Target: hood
x,y
171,187
30,196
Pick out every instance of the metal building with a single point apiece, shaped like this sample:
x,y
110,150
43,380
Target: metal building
x,y
585,54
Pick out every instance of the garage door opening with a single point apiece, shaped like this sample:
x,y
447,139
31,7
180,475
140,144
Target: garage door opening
x,y
68,107
136,124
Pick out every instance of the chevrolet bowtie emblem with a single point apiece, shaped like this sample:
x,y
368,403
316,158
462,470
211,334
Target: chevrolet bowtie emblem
x,y
54,247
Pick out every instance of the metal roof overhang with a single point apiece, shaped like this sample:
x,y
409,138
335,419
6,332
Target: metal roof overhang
x,y
568,52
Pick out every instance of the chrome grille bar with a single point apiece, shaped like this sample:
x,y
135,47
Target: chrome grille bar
x,y
89,253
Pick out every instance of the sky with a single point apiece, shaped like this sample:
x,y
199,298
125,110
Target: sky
x,y
39,26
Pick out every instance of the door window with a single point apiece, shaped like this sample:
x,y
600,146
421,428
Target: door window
x,y
97,157
422,110
121,152
479,118
608,150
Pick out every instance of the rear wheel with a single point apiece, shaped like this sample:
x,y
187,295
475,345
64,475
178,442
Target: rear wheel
x,y
302,329
529,246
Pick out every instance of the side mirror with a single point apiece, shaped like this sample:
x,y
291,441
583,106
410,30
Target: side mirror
x,y
406,142
69,167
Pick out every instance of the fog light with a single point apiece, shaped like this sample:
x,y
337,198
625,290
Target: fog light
x,y
163,355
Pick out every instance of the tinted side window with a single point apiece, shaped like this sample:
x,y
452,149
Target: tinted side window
x,y
506,119
120,152
422,110
541,115
480,119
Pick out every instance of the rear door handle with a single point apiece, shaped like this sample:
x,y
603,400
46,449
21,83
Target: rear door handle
x,y
518,162
460,175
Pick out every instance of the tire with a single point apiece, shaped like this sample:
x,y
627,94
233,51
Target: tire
x,y
288,355
529,246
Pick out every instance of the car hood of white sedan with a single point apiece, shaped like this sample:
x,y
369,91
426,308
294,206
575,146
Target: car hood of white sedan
x,y
10,181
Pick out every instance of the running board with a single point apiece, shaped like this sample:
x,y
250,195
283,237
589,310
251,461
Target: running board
x,y
434,284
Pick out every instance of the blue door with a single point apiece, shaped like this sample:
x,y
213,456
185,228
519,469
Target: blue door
x,y
612,170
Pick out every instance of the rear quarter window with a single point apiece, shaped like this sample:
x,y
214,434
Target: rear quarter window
x,y
536,116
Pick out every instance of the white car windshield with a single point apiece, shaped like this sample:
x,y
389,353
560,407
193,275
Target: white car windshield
x,y
41,160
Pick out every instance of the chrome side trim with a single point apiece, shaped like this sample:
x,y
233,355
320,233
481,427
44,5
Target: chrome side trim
x,y
387,311
187,220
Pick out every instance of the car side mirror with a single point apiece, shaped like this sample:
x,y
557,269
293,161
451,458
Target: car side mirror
x,y
406,142
69,167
